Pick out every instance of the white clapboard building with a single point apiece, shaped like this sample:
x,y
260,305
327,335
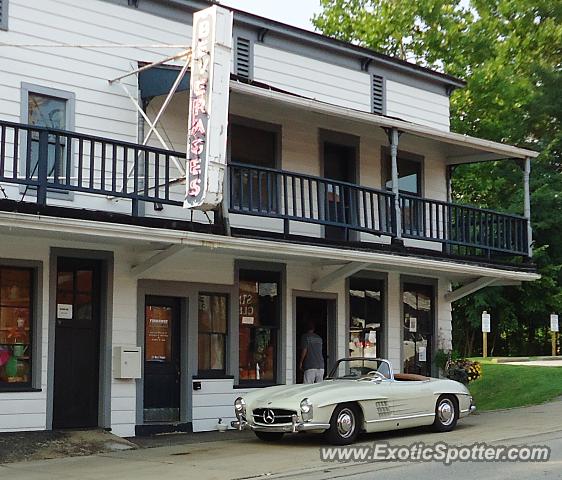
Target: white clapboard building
x,y
317,187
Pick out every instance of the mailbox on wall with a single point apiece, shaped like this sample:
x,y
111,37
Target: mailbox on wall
x,y
127,362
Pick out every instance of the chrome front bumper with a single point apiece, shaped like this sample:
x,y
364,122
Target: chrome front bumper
x,y
293,427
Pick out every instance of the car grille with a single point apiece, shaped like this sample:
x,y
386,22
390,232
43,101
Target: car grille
x,y
272,416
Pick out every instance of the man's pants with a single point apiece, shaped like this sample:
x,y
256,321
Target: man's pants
x,y
313,375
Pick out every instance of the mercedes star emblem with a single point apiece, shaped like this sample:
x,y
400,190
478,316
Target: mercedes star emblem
x,y
268,416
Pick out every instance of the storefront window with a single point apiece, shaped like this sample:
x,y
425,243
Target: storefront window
x,y
15,326
366,317
213,321
260,312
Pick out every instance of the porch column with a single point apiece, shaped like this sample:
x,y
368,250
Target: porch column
x,y
527,203
394,166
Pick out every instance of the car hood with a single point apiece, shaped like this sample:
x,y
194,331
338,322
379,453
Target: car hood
x,y
290,396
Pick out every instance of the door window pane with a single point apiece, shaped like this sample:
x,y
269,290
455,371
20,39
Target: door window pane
x,y
259,315
366,317
15,326
213,326
158,334
418,328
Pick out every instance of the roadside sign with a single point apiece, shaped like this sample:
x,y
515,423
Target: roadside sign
x,y
486,322
554,327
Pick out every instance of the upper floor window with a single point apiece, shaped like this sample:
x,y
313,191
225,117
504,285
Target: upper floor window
x,y
254,189
252,145
53,109
3,14
409,174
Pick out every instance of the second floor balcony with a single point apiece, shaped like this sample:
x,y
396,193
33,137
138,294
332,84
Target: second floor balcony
x,y
116,181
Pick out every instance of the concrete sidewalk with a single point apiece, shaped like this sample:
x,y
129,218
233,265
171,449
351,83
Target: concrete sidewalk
x,y
243,456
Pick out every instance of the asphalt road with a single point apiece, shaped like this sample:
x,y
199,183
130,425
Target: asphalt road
x,y
549,470
241,456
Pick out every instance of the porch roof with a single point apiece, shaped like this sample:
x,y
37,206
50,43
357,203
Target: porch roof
x,y
461,148
156,240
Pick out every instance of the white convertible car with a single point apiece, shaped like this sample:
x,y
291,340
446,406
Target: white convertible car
x,y
360,394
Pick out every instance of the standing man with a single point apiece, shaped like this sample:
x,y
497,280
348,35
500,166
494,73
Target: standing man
x,y
312,360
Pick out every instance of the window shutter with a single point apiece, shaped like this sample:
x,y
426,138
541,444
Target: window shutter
x,y
3,14
378,94
243,57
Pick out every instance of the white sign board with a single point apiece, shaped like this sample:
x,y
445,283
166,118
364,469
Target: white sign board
x,y
208,107
554,327
64,311
486,323
413,327
422,354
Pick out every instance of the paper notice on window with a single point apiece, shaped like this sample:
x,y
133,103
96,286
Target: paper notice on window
x,y
422,354
248,320
372,337
64,311
413,327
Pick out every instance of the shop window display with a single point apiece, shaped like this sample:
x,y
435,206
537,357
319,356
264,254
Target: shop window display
x,y
15,326
260,305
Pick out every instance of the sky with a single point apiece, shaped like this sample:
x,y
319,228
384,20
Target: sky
x,y
294,12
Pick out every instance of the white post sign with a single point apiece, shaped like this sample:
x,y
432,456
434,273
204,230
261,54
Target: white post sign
x,y
208,107
554,327
486,322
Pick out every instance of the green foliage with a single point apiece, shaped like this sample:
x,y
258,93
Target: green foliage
x,y
509,52
507,386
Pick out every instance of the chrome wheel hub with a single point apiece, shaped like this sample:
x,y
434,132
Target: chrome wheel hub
x,y
345,423
446,412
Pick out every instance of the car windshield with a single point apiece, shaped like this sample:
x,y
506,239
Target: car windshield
x,y
358,368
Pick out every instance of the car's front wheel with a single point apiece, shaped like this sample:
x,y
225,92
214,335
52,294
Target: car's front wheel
x,y
446,413
269,436
345,424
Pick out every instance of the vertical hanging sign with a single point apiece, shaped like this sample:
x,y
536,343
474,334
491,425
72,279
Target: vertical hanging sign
x,y
208,108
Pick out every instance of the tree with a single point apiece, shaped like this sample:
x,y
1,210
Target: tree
x,y
510,54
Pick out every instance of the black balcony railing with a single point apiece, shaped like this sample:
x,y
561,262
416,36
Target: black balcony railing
x,y
304,198
45,160
267,192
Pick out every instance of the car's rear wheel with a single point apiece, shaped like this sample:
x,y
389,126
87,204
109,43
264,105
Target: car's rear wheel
x,y
269,436
446,413
345,424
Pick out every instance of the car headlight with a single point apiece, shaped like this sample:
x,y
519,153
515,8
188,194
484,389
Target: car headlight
x,y
306,409
240,406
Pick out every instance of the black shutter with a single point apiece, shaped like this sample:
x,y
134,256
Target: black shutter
x,y
378,94
243,57
3,14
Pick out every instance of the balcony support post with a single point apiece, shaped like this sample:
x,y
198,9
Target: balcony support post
x,y
42,167
527,204
393,134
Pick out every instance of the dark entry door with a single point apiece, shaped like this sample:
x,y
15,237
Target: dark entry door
x,y
320,312
339,164
418,328
162,360
77,340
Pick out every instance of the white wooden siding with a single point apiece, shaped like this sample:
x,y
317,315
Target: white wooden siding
x,y
101,109
417,105
312,78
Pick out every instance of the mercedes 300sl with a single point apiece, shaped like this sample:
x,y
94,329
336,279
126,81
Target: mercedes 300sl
x,y
360,394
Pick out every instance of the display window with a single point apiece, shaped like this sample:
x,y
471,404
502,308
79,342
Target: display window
x,y
259,316
16,293
213,331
